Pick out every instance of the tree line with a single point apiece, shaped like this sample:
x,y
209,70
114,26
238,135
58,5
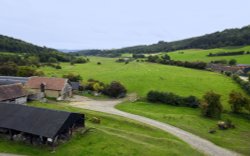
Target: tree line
x,y
228,37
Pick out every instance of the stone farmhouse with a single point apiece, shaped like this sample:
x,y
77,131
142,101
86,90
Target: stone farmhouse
x,y
39,87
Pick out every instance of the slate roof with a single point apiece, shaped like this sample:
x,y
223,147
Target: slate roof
x,y
4,80
13,91
50,83
37,121
75,85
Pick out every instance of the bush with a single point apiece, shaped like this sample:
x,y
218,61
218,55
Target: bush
x,y
52,60
227,73
8,69
211,105
28,71
99,63
219,61
73,77
244,85
232,62
58,67
237,101
95,85
136,56
172,99
80,60
115,89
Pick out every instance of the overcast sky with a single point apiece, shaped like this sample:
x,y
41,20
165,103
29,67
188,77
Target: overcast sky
x,y
106,24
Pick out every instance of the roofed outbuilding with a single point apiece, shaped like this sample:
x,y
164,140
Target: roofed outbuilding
x,y
38,122
52,87
6,80
14,93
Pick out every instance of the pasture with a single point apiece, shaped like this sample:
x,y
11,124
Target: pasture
x,y
141,77
191,120
201,55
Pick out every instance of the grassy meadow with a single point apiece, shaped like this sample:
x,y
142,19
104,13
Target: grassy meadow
x,y
113,136
191,120
201,55
141,77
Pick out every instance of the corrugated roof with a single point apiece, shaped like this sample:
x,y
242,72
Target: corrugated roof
x,y
37,121
12,91
4,80
75,85
50,83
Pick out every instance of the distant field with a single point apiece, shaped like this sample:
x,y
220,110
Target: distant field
x,y
114,136
201,55
143,77
191,120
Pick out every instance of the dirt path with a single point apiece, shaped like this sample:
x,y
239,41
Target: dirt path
x,y
107,106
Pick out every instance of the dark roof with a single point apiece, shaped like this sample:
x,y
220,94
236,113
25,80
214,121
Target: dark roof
x,y
12,91
36,121
51,83
4,80
75,85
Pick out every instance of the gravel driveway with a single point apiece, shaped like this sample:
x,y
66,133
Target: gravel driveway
x,y
107,106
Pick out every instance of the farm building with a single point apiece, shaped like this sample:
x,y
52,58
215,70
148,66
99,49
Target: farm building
x,y
6,80
51,87
37,125
75,85
223,68
13,93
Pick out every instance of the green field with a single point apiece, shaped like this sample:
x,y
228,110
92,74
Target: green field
x,y
142,77
191,120
201,55
114,136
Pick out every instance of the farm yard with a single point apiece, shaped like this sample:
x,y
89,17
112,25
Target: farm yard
x,y
113,136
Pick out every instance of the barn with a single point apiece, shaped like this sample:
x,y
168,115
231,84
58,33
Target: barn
x,y
58,88
13,93
38,124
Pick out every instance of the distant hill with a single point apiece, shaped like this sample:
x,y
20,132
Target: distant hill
x,y
228,37
10,44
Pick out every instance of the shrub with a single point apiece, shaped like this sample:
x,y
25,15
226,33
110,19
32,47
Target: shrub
x,y
28,71
136,56
237,101
115,89
172,99
120,60
52,60
211,105
95,85
99,63
219,61
73,77
58,67
8,69
245,85
227,73
232,62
